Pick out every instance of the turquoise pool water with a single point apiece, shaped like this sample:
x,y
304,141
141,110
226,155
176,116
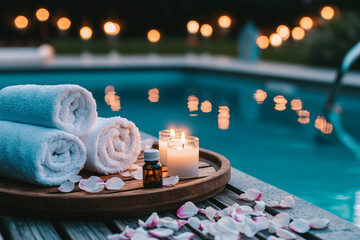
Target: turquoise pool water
x,y
269,144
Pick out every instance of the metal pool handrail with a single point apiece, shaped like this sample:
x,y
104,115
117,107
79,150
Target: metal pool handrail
x,y
351,56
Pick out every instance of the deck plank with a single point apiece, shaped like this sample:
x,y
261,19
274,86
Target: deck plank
x,y
84,230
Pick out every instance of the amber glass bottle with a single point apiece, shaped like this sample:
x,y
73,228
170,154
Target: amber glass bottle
x,y
152,169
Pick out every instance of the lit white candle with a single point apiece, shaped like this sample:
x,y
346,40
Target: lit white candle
x,y
183,156
164,135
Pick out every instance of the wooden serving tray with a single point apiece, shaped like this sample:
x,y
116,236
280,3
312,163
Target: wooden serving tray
x,y
132,200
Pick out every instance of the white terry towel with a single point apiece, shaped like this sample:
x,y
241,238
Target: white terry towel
x,y
39,155
112,145
67,107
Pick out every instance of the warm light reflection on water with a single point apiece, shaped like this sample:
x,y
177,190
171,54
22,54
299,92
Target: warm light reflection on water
x,y
206,107
153,95
296,104
323,125
260,96
280,103
304,120
112,99
193,103
224,117
303,113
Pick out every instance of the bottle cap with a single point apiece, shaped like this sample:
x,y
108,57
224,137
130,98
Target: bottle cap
x,y
151,155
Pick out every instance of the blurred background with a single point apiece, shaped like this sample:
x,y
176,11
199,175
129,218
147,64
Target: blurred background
x,y
308,32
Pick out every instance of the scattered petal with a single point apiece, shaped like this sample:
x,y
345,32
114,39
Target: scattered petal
x,y
114,183
117,236
139,234
250,195
262,223
238,217
96,179
184,236
285,234
161,232
227,225
274,238
152,221
210,213
187,210
91,185
75,178
170,181
244,210
67,187
137,174
273,204
281,220
299,226
134,167
125,174
286,202
249,227
319,223
259,206
194,222
171,223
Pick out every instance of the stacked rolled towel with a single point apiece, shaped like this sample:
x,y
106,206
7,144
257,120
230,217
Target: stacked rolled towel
x,y
112,144
67,107
39,155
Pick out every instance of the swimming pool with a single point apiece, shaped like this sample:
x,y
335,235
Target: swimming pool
x,y
260,138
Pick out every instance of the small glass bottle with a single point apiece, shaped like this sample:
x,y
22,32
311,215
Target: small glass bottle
x,y
152,169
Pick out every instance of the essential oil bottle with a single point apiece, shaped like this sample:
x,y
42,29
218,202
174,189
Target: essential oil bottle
x,y
152,169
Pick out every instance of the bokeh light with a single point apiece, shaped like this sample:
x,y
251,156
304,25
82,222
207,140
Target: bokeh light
x,y
42,14
153,35
224,21
306,23
206,106
206,30
275,40
111,28
224,117
193,26
63,23
260,96
283,31
327,13
298,33
153,95
21,22
86,33
193,103
262,42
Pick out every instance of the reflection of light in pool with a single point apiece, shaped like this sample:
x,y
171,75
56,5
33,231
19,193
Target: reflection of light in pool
x,y
193,103
153,95
112,99
206,106
280,99
304,120
224,117
303,113
260,96
296,104
324,126
280,106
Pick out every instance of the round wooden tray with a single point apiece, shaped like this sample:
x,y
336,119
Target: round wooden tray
x,y
132,200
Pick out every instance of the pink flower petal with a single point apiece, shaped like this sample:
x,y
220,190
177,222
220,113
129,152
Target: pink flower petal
x,y
250,195
171,223
125,174
152,221
281,219
262,223
161,232
299,226
184,236
287,201
194,222
285,234
114,183
137,174
319,223
237,217
187,210
170,181
67,187
244,210
273,204
75,178
210,213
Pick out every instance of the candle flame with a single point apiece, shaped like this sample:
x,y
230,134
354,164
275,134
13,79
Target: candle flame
x,y
172,133
183,137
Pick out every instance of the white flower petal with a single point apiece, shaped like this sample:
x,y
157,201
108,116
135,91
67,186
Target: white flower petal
x,y
227,225
114,183
244,210
287,201
96,179
226,211
137,174
161,232
125,174
319,223
273,204
285,234
210,213
262,223
238,217
204,223
194,222
281,219
170,181
67,187
187,210
75,178
259,206
117,236
299,226
184,236
274,238
249,228
152,221
250,195
91,185
169,222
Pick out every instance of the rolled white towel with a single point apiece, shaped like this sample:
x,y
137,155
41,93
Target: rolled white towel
x,y
39,155
112,145
67,107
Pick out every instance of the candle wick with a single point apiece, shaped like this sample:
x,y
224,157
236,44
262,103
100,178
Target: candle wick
x,y
183,146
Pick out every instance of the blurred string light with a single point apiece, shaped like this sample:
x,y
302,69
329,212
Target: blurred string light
x,y
42,14
224,21
21,22
275,40
153,35
193,26
327,13
298,33
262,42
111,28
306,23
86,32
206,30
283,31
63,23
